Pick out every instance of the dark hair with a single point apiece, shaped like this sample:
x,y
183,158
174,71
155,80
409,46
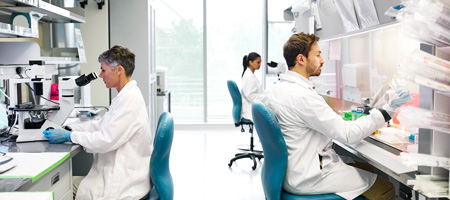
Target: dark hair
x,y
246,61
299,43
118,55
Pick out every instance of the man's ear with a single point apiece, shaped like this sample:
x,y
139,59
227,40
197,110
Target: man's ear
x,y
300,59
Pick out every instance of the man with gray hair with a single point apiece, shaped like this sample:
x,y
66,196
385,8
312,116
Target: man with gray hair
x,y
120,141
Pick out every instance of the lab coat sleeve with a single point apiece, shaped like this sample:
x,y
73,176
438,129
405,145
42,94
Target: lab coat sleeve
x,y
122,125
89,126
250,90
319,116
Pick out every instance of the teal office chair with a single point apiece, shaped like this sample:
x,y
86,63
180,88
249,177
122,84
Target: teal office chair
x,y
239,121
159,162
275,157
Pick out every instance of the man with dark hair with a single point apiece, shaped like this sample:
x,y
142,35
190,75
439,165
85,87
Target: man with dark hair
x,y
309,125
120,141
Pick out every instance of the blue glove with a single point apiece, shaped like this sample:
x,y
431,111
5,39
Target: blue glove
x,y
402,96
56,136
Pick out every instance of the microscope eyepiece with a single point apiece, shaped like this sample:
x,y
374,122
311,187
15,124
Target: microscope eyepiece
x,y
84,80
92,76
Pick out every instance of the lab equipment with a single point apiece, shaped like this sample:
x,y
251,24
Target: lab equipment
x,y
358,114
424,160
315,12
57,136
366,13
3,118
280,67
66,100
347,12
6,163
14,85
28,22
56,116
161,79
433,186
31,116
426,20
391,135
352,116
426,69
413,117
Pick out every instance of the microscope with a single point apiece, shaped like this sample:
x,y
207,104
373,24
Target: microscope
x,y
43,117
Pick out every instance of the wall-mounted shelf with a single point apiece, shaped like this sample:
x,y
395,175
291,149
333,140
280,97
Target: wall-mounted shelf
x,y
61,60
53,14
17,32
361,31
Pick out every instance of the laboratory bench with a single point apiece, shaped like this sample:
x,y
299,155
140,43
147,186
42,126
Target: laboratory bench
x,y
45,167
41,166
384,157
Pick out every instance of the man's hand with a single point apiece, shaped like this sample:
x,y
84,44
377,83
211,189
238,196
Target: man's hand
x,y
402,96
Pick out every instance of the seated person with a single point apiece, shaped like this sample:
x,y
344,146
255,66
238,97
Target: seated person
x,y
121,141
250,87
309,125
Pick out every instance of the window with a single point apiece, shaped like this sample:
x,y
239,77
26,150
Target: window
x,y
279,30
233,29
179,47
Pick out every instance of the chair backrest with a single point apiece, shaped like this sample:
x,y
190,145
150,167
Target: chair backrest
x,y
274,149
159,162
237,101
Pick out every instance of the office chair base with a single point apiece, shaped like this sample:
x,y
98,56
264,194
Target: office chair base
x,y
249,150
251,155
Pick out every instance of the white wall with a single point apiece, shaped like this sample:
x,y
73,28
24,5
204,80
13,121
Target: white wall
x,y
96,39
132,26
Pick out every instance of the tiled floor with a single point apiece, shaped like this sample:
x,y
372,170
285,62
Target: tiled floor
x,y
199,164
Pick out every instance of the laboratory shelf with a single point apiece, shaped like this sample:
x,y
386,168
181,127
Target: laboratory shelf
x,y
53,14
447,94
61,60
444,49
5,33
361,31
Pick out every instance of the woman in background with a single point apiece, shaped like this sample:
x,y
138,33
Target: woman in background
x,y
251,87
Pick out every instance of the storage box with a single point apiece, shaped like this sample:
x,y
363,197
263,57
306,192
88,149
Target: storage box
x,y
356,75
28,21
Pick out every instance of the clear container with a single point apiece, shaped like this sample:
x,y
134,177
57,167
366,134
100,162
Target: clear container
x,y
354,115
358,114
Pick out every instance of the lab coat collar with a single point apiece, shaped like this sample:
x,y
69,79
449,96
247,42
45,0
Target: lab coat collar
x,y
296,78
127,87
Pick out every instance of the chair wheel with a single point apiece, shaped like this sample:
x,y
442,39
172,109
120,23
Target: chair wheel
x,y
229,164
254,167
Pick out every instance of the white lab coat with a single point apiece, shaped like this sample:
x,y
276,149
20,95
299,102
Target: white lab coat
x,y
308,125
121,143
250,90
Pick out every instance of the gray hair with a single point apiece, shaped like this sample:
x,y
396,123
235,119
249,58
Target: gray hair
x,y
118,55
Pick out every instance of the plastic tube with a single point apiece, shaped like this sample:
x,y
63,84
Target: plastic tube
x,y
413,117
428,20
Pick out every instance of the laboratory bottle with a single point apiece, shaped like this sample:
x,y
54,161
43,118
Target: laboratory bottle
x,y
353,115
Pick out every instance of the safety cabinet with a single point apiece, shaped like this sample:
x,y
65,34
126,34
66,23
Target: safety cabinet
x,y
354,74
